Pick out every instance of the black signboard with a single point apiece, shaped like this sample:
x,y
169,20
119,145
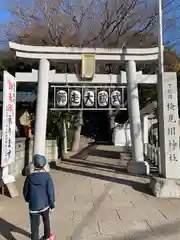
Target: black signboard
x,y
89,97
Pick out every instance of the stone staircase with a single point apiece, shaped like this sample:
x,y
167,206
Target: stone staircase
x,y
84,143
125,154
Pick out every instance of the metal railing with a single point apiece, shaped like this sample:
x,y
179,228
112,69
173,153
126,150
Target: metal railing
x,y
151,149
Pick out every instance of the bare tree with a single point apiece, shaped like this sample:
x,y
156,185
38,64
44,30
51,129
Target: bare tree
x,y
92,22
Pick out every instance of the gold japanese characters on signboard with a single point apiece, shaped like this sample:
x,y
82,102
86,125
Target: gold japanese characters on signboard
x,y
88,66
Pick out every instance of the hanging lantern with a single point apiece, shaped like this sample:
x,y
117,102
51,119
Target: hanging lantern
x,y
103,98
75,98
116,98
89,98
61,98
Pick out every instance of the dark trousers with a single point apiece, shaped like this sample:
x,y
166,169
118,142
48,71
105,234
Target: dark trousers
x,y
35,221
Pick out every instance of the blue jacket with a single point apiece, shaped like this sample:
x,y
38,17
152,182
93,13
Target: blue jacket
x,y
38,191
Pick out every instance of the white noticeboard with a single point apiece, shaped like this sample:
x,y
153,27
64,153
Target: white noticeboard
x,y
9,120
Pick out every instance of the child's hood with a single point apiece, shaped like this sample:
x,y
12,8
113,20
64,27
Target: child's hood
x,y
38,178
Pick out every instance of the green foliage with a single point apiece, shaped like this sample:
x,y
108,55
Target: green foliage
x,y
31,117
54,123
147,94
55,126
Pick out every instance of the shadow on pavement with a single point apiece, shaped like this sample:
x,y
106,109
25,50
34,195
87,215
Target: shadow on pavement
x,y
97,165
169,230
83,153
109,167
165,231
89,216
7,228
93,151
138,186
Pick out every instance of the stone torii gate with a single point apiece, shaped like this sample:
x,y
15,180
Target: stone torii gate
x,y
167,93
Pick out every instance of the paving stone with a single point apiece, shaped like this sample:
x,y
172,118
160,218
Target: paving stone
x,y
63,229
117,189
164,227
107,215
64,215
131,213
87,236
110,227
128,197
97,189
86,206
170,212
83,198
153,202
77,206
85,229
167,209
104,237
118,202
96,237
1,208
86,216
84,190
175,202
136,228
91,208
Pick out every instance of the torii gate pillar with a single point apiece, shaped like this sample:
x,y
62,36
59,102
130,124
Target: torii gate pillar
x,y
137,165
41,107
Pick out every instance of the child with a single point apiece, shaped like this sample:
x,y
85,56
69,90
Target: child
x,y
38,191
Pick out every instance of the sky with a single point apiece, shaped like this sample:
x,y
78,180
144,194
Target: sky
x,y
4,16
175,10
4,5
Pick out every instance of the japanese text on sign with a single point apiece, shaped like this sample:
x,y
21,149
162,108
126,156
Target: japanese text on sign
x,y
172,141
89,97
9,108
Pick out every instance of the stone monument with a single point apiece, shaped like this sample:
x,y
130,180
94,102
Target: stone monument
x,y
168,185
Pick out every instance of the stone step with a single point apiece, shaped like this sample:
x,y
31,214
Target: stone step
x,y
126,156
124,149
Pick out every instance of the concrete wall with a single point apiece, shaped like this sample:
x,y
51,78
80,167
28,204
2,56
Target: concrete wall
x,y
17,166
51,150
24,150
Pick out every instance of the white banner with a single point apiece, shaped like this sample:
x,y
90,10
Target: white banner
x,y
9,120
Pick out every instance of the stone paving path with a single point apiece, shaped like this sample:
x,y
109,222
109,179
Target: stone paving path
x,y
94,201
